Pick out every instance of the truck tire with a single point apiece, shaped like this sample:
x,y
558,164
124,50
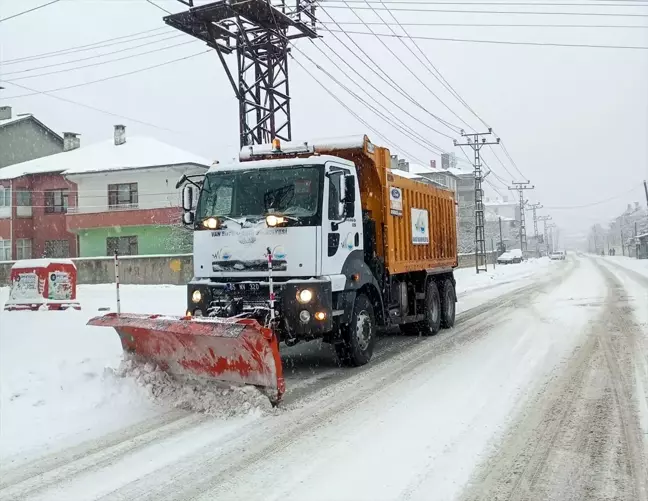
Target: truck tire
x,y
432,323
358,338
448,303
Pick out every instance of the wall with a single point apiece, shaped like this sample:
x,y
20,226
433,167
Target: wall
x,y
155,187
26,140
150,239
169,269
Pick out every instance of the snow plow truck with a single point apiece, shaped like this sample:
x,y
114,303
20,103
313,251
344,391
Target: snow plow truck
x,y
297,242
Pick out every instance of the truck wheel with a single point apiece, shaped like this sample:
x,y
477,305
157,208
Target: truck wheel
x,y
448,303
432,323
358,338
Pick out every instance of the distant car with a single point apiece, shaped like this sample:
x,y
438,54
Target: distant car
x,y
510,257
560,255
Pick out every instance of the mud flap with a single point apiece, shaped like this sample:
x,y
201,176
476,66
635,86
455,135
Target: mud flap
x,y
234,351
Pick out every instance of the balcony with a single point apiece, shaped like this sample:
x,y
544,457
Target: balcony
x,y
118,207
121,217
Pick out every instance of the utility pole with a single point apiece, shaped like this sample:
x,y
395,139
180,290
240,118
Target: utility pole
x,y
646,190
544,220
520,187
259,32
501,242
534,208
551,235
477,142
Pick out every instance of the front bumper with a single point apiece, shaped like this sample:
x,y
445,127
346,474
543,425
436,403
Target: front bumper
x,y
226,299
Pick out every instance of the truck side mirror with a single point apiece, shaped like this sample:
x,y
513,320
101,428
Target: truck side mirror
x,y
188,218
349,196
187,198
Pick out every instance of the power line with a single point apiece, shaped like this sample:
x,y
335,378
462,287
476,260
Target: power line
x,y
513,12
368,82
491,25
29,10
95,56
158,6
530,4
87,106
102,62
502,163
354,114
407,67
402,129
374,67
500,42
83,48
111,77
508,155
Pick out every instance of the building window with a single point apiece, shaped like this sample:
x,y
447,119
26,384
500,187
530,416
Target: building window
x,y
5,197
23,248
125,246
122,196
57,248
5,250
23,198
56,201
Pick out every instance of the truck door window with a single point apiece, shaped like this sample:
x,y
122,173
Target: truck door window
x,y
335,182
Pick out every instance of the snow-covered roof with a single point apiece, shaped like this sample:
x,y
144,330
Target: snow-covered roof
x,y
496,203
424,169
8,121
40,263
405,174
275,162
489,216
135,153
28,116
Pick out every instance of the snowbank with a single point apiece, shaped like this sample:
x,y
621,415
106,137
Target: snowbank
x,y
637,265
54,387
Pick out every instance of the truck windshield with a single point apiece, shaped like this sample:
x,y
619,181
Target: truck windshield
x,y
253,194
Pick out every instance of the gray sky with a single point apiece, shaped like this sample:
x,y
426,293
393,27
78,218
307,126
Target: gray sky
x,y
575,120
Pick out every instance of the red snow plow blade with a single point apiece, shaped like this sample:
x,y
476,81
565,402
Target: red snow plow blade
x,y
235,351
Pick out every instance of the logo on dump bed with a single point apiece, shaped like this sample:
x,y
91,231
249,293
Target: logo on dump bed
x,y
420,228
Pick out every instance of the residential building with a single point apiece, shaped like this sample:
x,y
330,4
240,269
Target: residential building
x,y
23,137
443,178
113,195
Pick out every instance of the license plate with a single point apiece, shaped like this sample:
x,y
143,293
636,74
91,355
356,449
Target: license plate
x,y
241,287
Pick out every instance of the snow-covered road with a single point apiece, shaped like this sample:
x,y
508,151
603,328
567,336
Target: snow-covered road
x,y
539,392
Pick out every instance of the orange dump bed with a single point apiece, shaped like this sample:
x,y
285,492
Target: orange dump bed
x,y
416,222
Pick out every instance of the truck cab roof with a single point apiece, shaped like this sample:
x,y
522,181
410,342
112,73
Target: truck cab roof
x,y
282,161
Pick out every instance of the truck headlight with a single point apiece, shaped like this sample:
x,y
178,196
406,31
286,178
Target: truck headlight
x,y
273,220
211,223
196,297
305,296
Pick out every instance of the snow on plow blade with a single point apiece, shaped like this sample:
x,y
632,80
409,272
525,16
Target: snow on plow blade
x,y
236,351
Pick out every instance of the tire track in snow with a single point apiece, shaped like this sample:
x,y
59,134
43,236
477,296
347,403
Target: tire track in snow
x,y
213,474
580,438
37,476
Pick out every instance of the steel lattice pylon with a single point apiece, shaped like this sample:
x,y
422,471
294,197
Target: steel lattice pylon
x,y
260,33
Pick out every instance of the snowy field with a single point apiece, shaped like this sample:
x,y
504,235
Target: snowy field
x,y
420,422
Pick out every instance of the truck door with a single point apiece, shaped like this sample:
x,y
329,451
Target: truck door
x,y
341,233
